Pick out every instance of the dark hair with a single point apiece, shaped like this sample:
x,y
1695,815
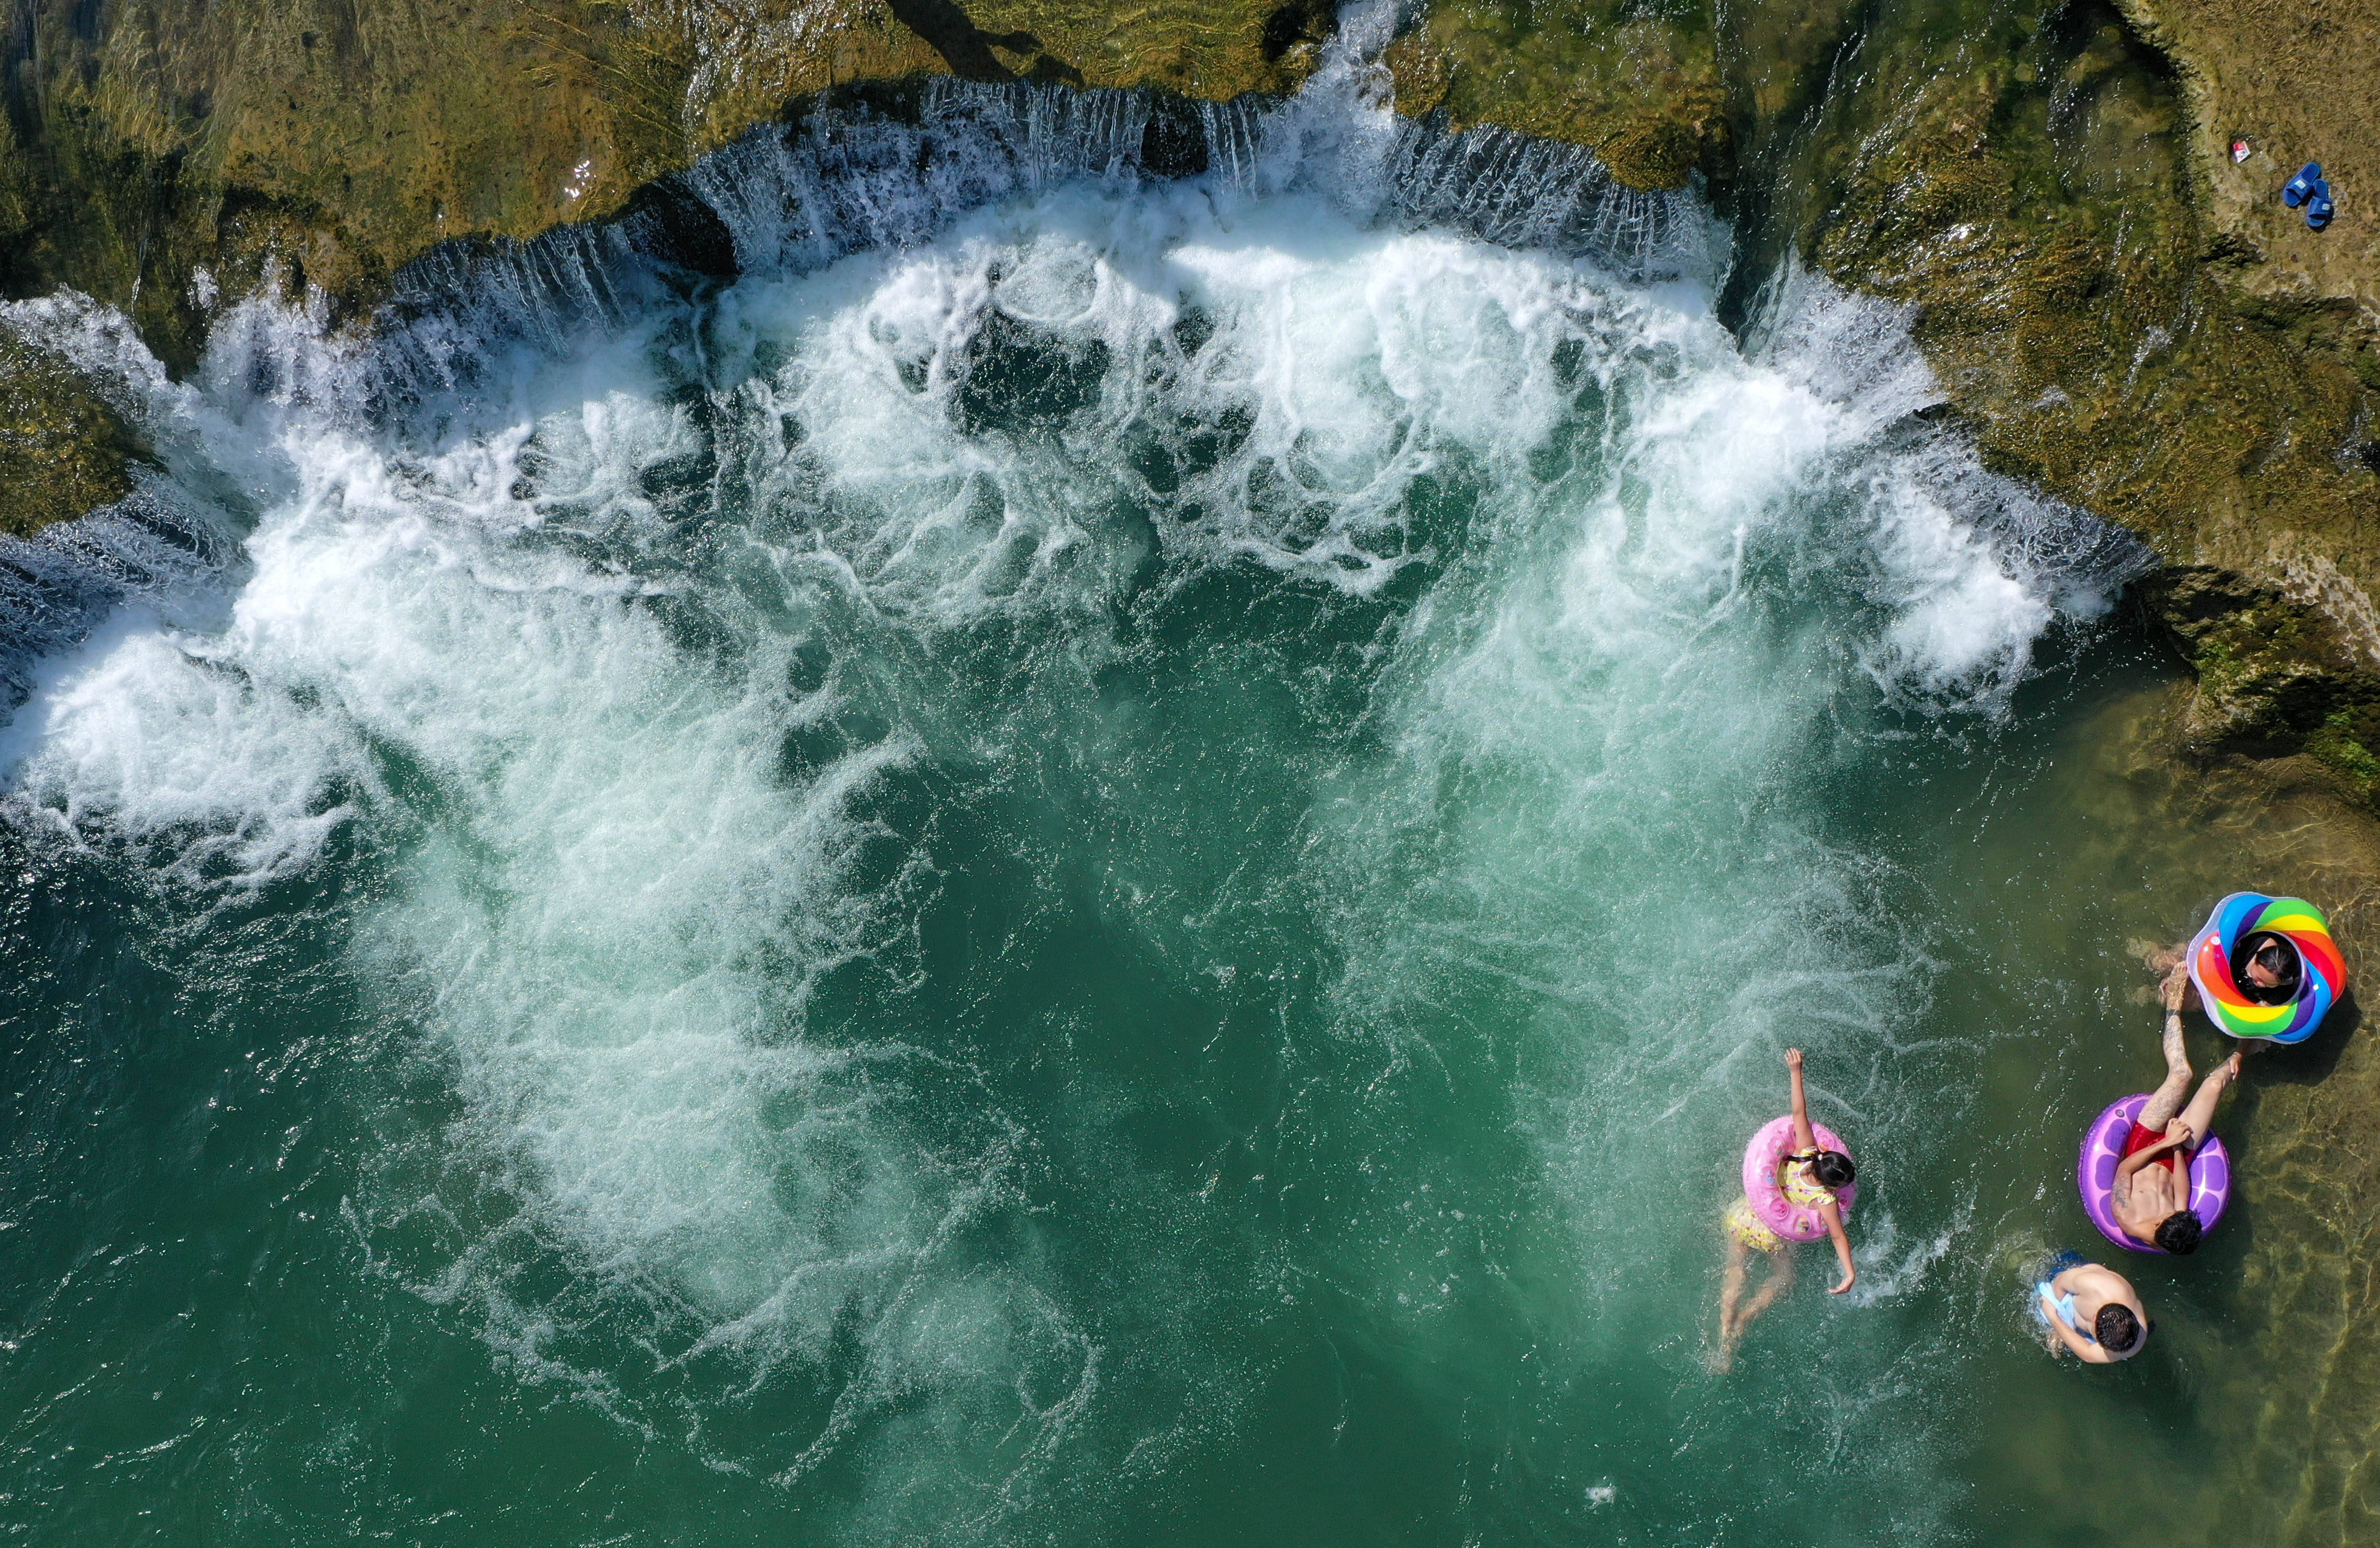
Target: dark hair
x,y
1831,1168
2118,1330
2284,963
2178,1232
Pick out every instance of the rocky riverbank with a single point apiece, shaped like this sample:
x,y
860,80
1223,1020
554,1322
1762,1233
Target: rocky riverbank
x,y
162,159
2123,315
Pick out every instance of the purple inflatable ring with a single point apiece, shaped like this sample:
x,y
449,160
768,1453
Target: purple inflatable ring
x,y
2103,1146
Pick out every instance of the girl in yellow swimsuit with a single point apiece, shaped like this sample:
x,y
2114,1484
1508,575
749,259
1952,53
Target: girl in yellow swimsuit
x,y
1808,1178
1801,1190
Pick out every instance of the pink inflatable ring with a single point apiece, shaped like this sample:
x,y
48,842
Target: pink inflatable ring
x,y
1771,1145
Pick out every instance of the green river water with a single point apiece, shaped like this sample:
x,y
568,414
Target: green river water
x,y
1129,876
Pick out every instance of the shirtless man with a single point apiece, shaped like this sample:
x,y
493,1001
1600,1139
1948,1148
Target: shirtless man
x,y
2150,1199
2093,1311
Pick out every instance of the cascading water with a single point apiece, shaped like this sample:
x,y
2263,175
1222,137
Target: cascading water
x,y
946,841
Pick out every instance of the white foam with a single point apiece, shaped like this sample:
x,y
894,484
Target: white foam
x,y
1632,691
219,778
1962,625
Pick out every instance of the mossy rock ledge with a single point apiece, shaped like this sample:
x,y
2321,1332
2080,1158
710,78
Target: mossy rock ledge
x,y
2124,315
2124,326
167,158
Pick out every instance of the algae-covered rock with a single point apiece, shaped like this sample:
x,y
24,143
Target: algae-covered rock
x,y
2123,316
2292,83
2034,201
159,157
1216,49
1640,88
64,449
1657,92
145,142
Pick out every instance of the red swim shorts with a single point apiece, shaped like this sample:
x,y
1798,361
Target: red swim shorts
x,y
2140,1138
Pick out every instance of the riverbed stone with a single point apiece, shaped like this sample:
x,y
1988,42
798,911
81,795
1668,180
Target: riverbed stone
x,y
64,450
2292,1395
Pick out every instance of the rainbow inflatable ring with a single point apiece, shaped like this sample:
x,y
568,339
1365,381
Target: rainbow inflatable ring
x,y
2294,920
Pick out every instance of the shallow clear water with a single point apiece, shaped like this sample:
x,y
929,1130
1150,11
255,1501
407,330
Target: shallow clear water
x,y
1129,874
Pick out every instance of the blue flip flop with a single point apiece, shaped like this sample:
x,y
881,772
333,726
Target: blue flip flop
x,y
2318,207
2300,188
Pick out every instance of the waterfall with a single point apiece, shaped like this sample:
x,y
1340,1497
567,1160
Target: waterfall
x,y
155,546
1521,192
854,173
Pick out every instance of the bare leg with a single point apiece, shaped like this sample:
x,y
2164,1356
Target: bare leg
x,y
1780,1279
2168,1099
1730,1289
1731,1296
2199,1114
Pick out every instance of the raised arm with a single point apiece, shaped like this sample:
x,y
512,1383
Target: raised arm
x,y
1803,1137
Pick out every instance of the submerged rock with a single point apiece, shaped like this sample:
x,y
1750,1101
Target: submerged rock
x,y
2284,1406
64,448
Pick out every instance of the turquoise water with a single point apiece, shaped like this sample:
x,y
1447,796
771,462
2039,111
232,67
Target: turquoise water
x,y
1127,875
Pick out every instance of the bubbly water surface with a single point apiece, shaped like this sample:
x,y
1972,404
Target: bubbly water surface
x,y
1124,872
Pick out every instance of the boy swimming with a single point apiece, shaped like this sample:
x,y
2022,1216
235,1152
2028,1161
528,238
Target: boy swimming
x,y
2092,1310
